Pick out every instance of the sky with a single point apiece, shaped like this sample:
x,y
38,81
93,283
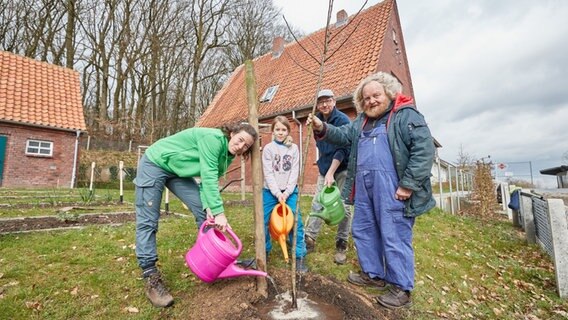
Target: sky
x,y
490,77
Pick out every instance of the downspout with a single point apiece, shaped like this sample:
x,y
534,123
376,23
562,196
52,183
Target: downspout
x,y
300,133
75,156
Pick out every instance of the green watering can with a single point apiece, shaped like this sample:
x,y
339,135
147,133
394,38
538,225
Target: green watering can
x,y
333,211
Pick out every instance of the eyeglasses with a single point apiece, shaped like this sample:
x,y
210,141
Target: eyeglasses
x,y
325,101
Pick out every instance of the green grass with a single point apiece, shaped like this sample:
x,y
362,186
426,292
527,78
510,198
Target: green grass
x,y
465,268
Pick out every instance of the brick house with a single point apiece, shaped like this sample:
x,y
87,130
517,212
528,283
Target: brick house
x,y
41,120
287,77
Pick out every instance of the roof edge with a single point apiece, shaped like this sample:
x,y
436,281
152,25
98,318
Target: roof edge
x,y
43,126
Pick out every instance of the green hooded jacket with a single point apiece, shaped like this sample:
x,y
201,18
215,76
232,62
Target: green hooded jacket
x,y
196,152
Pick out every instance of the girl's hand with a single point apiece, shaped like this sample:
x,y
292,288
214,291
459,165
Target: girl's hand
x,y
221,222
282,198
317,125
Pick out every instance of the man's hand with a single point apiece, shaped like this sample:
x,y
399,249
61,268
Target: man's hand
x,y
329,180
402,194
317,124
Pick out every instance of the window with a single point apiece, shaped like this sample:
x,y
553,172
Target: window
x,y
39,148
269,94
394,36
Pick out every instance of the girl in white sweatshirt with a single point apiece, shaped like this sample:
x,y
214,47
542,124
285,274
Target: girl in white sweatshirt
x,y
281,167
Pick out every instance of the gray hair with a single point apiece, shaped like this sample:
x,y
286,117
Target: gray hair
x,y
390,83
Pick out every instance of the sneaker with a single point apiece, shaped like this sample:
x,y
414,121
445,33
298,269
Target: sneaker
x,y
395,298
157,292
340,251
362,279
310,244
301,266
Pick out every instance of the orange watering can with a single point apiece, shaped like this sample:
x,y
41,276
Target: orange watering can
x,y
281,223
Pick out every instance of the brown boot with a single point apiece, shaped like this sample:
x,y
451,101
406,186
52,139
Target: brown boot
x,y
362,279
157,292
310,244
340,251
395,298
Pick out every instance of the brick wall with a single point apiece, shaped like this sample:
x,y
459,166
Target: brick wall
x,y
21,170
393,55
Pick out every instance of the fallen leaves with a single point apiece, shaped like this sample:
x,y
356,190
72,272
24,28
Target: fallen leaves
x,y
131,309
35,305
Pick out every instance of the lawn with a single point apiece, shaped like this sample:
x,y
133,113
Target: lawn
x,y
466,268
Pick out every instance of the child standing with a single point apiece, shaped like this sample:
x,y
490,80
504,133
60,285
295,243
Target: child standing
x,y
281,167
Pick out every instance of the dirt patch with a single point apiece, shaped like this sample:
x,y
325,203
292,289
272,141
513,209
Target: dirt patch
x,y
41,223
238,298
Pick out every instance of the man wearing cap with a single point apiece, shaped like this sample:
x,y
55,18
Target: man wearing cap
x,y
332,165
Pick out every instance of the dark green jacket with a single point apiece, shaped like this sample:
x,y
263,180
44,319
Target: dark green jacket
x,y
412,147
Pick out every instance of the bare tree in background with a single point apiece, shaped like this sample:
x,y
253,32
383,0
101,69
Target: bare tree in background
x,y
464,160
208,23
255,24
565,158
148,68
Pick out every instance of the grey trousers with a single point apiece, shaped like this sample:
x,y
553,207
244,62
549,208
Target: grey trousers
x,y
314,224
150,183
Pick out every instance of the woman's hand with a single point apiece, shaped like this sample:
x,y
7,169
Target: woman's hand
x,y
317,125
209,214
221,222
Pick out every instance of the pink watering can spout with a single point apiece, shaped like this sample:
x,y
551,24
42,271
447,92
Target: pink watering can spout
x,y
234,271
213,256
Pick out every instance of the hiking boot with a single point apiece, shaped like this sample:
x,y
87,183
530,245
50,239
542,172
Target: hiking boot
x,y
310,244
301,266
157,292
340,251
362,279
395,298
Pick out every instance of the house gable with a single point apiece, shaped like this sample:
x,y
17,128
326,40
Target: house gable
x,y
357,48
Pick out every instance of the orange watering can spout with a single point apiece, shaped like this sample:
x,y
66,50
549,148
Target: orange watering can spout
x,y
281,223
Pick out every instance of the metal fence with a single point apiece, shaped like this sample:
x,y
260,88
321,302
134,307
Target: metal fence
x,y
542,226
545,222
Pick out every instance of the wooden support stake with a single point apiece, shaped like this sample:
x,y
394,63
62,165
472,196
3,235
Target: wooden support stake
x,y
259,243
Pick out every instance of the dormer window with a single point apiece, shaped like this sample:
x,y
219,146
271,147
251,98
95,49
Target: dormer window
x,y
269,94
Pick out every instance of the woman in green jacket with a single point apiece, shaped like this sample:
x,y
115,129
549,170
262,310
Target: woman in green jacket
x,y
174,162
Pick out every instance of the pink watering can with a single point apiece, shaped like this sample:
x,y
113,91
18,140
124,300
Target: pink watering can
x,y
214,256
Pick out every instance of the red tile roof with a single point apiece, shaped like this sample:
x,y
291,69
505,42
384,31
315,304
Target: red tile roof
x,y
355,59
39,93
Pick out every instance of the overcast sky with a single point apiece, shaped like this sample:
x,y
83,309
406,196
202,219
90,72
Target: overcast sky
x,y
488,75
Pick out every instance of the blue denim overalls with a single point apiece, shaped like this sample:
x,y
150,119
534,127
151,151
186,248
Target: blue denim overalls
x,y
382,235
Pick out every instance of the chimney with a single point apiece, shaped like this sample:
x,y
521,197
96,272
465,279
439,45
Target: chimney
x,y
277,46
341,18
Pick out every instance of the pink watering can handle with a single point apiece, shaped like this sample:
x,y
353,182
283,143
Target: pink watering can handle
x,y
211,222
